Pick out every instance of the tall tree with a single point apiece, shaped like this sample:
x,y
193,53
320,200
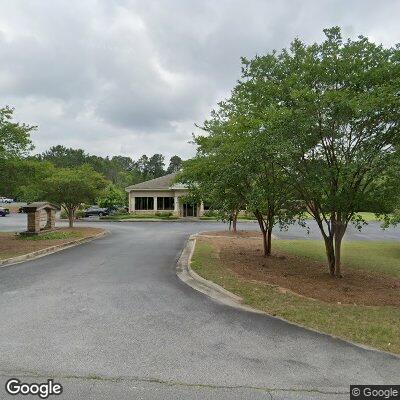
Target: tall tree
x,y
70,187
14,137
175,164
333,112
65,157
156,165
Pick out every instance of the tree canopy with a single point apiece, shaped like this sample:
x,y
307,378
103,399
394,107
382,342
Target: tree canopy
x,y
70,187
14,137
320,123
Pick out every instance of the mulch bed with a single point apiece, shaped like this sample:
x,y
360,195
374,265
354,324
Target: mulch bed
x,y
238,234
244,256
11,246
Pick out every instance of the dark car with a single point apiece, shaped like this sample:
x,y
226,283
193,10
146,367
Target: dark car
x,y
4,211
96,211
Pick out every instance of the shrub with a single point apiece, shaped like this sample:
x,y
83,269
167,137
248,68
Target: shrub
x,y
164,214
78,214
211,213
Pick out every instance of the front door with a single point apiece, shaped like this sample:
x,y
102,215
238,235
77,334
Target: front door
x,y
189,210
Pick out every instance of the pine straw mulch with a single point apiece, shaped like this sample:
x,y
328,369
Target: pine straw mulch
x,y
12,246
242,254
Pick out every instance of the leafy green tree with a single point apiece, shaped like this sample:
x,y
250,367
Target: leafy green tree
x,y
64,157
112,197
235,168
23,178
156,165
70,187
175,164
216,187
332,111
15,139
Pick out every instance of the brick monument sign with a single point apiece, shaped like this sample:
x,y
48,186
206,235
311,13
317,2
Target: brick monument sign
x,y
41,217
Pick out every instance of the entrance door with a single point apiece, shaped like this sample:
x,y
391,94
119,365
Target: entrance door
x,y
189,210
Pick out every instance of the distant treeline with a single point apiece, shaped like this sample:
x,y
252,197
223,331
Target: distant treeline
x,y
122,171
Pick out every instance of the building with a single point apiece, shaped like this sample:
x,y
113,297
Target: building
x,y
161,195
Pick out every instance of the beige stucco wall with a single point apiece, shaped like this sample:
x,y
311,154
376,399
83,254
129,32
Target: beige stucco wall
x,y
159,193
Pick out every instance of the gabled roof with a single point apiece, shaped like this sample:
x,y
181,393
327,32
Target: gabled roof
x,y
39,205
162,183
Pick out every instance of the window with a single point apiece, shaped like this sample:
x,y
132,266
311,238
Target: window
x,y
144,203
165,203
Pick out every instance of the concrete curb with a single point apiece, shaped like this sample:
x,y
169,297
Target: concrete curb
x,y
211,289
216,292
135,220
49,250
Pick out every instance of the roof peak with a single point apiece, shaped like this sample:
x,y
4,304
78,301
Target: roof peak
x,y
162,182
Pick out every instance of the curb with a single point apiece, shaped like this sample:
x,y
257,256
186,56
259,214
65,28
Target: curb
x,y
216,292
211,289
130,220
49,250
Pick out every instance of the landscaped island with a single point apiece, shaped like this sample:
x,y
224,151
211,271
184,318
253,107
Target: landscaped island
x,y
293,284
13,245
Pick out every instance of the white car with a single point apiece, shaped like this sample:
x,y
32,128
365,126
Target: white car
x,y
6,200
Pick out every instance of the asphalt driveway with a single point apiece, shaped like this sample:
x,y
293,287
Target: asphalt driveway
x,y
110,320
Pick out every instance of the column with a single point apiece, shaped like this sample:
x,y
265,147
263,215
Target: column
x,y
155,203
132,200
176,205
48,222
34,221
201,211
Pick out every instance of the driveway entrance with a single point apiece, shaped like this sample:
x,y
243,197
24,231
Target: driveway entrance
x,y
111,320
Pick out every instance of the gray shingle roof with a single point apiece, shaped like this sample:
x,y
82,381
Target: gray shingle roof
x,y
163,182
39,205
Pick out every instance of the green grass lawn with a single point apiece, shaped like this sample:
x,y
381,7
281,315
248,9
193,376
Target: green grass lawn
x,y
382,257
117,217
378,327
367,216
52,236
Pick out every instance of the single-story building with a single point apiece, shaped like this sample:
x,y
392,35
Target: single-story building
x,y
161,195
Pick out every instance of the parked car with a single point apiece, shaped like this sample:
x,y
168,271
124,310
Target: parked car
x,y
96,211
4,211
6,200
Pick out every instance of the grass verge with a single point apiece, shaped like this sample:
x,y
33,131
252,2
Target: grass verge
x,y
374,256
376,326
117,217
12,245
57,235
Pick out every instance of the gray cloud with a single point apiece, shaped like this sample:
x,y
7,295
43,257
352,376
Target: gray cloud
x,y
133,77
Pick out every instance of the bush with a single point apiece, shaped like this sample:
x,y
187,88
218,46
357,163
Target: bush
x,y
78,214
164,214
211,213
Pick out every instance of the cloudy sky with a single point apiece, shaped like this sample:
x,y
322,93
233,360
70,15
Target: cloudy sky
x,y
132,77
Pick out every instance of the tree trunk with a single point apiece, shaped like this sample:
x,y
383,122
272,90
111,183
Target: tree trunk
x,y
340,229
71,215
338,245
260,220
269,232
330,254
234,221
265,243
